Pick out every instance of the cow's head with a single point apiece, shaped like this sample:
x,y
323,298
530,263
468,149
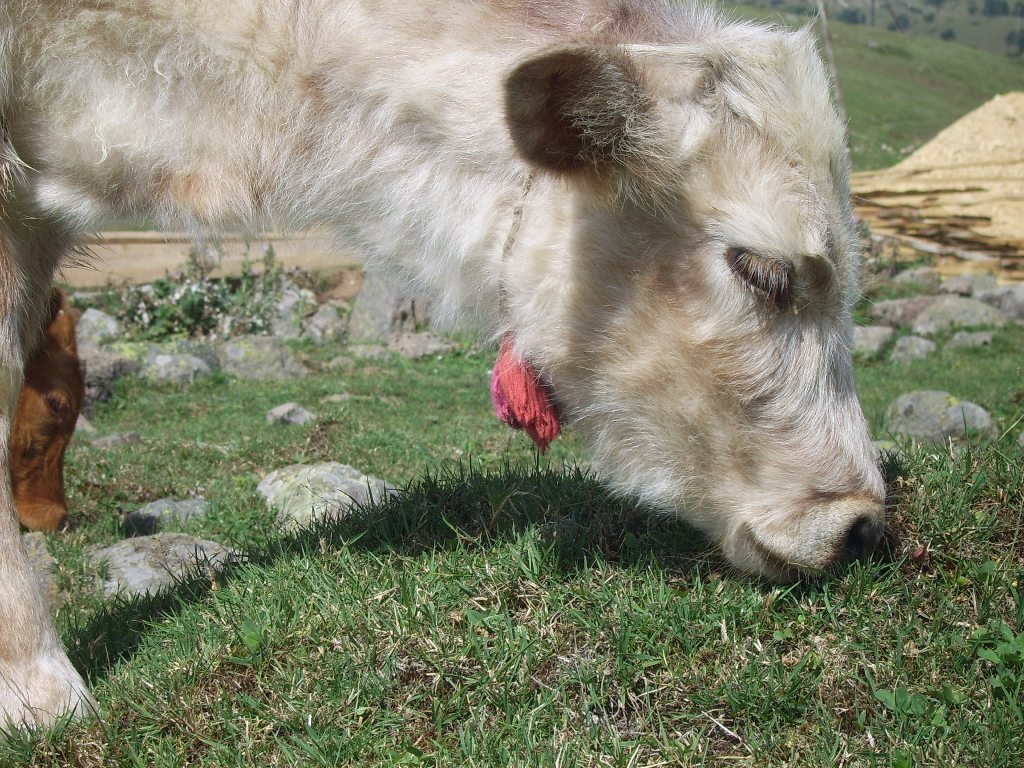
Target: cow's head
x,y
44,422
695,320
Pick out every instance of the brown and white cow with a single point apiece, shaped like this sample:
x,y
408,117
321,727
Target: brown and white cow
x,y
649,201
48,406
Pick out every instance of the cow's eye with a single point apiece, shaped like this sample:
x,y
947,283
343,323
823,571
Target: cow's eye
x,y
57,402
769,277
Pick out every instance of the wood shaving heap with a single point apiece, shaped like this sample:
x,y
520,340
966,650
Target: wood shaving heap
x,y
962,193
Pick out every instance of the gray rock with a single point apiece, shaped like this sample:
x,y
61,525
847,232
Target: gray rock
x,y
44,567
303,494
868,340
144,565
383,307
955,311
152,517
324,325
1020,440
179,361
289,413
936,417
204,350
899,312
116,440
974,418
911,348
291,309
883,447
968,285
969,339
95,328
927,278
84,427
259,358
103,369
174,369
1008,299
136,351
417,346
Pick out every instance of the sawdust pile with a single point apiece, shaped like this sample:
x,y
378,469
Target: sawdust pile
x,y
962,192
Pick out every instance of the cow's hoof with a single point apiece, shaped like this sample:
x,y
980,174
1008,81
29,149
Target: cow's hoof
x,y
36,695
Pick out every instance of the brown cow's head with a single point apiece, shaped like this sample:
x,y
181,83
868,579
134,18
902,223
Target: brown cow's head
x,y
48,408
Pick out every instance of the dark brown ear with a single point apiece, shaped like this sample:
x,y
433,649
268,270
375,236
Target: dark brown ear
x,y
62,321
579,108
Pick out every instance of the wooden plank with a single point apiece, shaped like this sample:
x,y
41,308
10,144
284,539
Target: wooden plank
x,y
141,257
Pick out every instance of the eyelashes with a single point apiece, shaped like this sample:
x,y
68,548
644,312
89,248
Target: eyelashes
x,y
769,277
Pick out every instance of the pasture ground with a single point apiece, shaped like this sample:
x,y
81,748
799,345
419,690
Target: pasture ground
x,y
504,611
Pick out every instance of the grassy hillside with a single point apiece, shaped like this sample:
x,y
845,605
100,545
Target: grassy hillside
x,y
962,21
900,90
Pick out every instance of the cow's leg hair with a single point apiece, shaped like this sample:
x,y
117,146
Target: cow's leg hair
x,y
37,680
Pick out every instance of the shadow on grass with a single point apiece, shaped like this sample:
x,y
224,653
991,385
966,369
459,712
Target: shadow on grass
x,y
573,515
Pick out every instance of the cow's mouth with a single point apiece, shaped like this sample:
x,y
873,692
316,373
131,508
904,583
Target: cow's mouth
x,y
859,543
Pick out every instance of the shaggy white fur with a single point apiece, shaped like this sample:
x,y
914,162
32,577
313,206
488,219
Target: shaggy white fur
x,y
683,274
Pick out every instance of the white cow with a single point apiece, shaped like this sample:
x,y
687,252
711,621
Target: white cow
x,y
648,202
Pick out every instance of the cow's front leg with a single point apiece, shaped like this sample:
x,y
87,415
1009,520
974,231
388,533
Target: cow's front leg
x,y
37,681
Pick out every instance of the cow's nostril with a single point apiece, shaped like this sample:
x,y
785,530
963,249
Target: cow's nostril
x,y
862,539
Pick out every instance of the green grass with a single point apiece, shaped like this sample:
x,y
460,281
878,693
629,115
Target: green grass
x,y
986,33
504,610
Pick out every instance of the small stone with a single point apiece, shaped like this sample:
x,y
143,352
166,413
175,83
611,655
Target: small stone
x,y
294,303
305,494
150,518
84,427
136,351
949,312
869,340
883,447
204,350
289,413
936,417
969,339
259,358
911,348
116,440
899,312
1008,299
95,327
968,285
417,346
325,325
974,418
384,306
103,369
926,278
174,369
144,565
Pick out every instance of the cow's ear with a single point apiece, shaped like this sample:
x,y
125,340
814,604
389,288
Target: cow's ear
x,y
581,109
62,321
